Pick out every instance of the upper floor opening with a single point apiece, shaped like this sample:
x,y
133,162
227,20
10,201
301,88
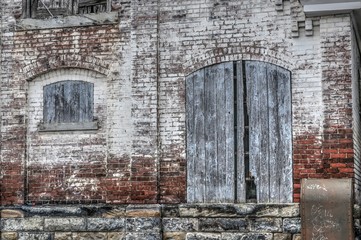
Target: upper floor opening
x,y
41,9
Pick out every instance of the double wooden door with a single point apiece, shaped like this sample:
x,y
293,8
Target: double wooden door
x,y
238,118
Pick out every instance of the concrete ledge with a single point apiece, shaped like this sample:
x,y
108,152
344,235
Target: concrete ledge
x,y
317,8
68,21
82,126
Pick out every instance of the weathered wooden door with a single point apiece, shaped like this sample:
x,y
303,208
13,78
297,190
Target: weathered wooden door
x,y
210,138
270,138
239,128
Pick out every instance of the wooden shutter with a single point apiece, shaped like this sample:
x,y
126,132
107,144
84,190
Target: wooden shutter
x,y
210,134
68,102
93,6
48,8
269,110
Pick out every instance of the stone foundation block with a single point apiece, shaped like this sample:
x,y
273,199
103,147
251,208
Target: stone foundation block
x,y
9,213
223,224
174,235
266,225
105,224
21,224
11,224
180,224
64,224
34,236
9,236
247,236
297,237
142,224
116,236
33,224
147,236
143,211
63,236
282,236
170,211
90,236
203,236
292,225
118,212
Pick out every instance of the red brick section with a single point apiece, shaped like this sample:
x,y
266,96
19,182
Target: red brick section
x,y
173,181
329,154
307,160
337,155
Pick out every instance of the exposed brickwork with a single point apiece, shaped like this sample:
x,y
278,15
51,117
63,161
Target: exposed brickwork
x,y
12,100
138,153
337,96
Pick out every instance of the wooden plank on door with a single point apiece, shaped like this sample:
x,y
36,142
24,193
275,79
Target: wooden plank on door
x,y
191,144
241,181
220,94
199,131
212,74
285,123
256,77
279,103
274,133
226,145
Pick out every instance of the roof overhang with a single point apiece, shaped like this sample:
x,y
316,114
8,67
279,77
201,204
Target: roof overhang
x,y
327,7
313,8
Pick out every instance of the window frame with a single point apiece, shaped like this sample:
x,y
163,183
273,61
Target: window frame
x,y
85,124
30,12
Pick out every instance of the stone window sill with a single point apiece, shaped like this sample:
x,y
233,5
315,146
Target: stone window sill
x,y
61,127
68,21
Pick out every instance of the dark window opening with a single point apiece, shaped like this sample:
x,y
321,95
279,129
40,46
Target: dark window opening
x,y
54,8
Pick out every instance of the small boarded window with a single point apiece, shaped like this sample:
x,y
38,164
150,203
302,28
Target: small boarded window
x,y
52,8
239,145
68,105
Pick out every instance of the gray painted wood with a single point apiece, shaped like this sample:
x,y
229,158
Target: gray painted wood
x,y
274,138
210,83
199,130
229,187
191,147
210,134
256,77
241,181
215,172
68,102
270,131
285,132
280,141
220,129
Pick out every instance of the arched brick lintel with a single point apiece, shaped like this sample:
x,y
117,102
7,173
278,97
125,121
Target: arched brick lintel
x,y
219,55
44,65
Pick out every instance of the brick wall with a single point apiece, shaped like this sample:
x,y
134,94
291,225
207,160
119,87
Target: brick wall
x,y
78,159
138,154
337,91
12,117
